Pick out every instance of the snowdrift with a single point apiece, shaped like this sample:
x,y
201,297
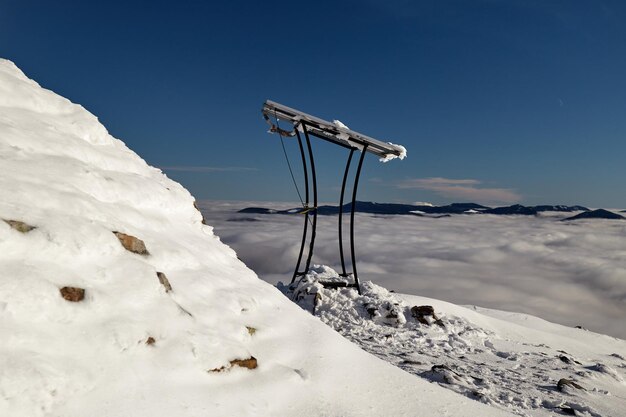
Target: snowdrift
x,y
160,319
510,361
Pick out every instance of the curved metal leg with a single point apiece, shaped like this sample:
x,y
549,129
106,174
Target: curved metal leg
x,y
314,182
354,189
306,216
340,226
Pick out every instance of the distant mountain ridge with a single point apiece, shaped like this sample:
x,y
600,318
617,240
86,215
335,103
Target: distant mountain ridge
x,y
596,214
417,210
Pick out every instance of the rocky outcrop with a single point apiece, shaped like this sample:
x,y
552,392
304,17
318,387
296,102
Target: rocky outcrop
x,y
564,383
164,281
132,244
249,363
20,226
423,313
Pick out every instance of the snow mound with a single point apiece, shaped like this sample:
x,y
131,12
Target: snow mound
x,y
391,156
116,299
510,367
340,124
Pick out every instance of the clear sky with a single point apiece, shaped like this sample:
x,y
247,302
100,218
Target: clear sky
x,y
497,101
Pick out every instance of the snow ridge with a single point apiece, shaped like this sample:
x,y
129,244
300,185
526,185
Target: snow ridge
x,y
88,325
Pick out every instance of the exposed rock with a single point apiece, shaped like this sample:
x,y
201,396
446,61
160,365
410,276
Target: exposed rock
x,y
250,363
565,359
477,394
132,244
20,226
195,205
150,341
442,373
72,294
164,281
251,330
563,383
567,410
421,312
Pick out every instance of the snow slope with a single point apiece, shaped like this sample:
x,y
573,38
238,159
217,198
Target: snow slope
x,y
130,347
511,361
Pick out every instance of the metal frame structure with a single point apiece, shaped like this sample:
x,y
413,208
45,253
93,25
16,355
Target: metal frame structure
x,y
346,138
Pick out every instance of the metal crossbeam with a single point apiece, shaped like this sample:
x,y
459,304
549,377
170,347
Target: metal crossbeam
x,y
331,131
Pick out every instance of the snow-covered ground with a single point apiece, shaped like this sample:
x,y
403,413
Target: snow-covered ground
x,y
90,327
573,273
511,361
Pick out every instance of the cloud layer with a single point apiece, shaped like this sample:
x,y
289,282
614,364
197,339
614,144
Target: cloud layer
x,y
570,273
462,189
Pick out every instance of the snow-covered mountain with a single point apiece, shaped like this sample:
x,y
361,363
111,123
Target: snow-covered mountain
x,y
116,299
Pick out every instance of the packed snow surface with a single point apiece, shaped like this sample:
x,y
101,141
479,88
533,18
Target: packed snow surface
x,y
131,347
510,361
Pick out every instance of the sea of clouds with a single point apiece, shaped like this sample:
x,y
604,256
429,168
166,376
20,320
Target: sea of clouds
x,y
573,273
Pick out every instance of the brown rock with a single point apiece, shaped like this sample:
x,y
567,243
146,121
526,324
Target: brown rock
x,y
150,341
20,226
72,294
251,330
563,382
132,244
164,281
199,211
421,312
249,363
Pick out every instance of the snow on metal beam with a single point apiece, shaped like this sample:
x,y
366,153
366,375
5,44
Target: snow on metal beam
x,y
335,131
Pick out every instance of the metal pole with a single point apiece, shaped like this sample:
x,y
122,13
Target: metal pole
x,y
314,181
343,189
306,216
354,189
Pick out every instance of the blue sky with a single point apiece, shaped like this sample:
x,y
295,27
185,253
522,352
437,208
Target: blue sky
x,y
496,101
